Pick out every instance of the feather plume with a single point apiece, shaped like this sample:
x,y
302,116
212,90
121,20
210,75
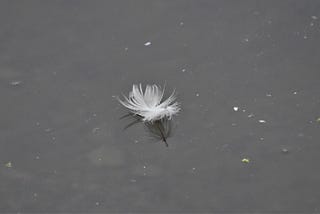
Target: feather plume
x,y
148,105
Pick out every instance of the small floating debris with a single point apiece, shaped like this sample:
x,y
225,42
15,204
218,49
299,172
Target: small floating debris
x,y
15,83
197,94
295,92
246,40
8,165
262,121
250,115
284,150
183,70
181,23
245,160
318,120
235,108
95,130
35,195
314,17
48,130
147,44
269,95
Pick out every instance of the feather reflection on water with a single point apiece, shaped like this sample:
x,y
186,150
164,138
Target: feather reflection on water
x,y
159,129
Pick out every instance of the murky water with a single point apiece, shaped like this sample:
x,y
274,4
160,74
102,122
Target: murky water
x,y
247,76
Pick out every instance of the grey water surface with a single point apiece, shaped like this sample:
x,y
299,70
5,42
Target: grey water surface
x,y
247,76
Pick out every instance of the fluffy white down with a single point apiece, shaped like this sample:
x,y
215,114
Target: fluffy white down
x,y
148,105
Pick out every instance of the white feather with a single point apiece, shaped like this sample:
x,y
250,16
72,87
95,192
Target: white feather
x,y
148,104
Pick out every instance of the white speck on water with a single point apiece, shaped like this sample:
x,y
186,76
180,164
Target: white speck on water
x,y
133,180
295,93
37,157
147,44
284,150
144,167
197,94
126,49
269,95
136,141
35,194
250,115
183,70
235,108
261,138
53,138
193,168
314,17
243,110
97,203
8,165
305,37
246,40
233,124
48,130
15,83
311,24
262,121
181,23
37,124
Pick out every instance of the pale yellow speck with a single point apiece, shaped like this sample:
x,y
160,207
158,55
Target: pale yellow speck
x,y
245,160
8,165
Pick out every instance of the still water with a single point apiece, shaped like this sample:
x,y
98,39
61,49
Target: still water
x,y
247,77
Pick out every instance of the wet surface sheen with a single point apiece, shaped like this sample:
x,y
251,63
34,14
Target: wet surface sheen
x,y
246,74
